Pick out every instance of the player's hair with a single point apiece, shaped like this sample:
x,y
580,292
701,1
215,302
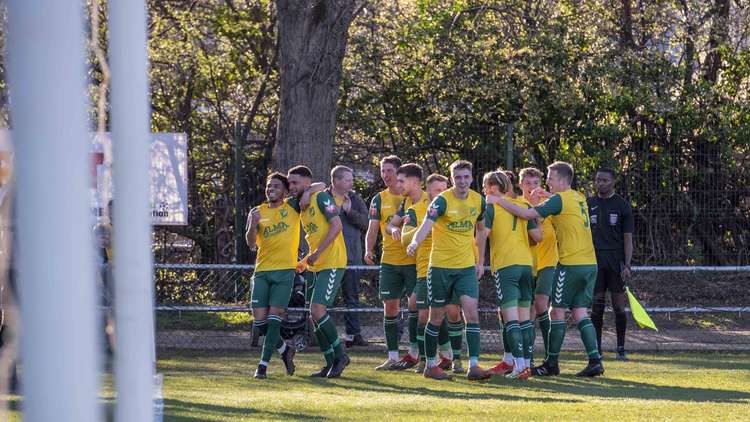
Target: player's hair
x,y
392,160
434,177
497,178
530,172
461,165
302,171
607,170
411,170
562,169
338,172
280,177
513,181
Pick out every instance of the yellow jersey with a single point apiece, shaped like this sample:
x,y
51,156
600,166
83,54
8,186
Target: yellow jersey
x,y
453,232
570,217
315,221
277,237
509,238
382,208
416,214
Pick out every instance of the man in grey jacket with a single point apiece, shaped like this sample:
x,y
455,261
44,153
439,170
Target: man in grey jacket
x,y
353,212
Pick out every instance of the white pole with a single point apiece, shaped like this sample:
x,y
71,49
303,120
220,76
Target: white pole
x,y
55,260
130,117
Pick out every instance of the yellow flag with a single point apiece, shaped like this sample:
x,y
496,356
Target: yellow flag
x,y
639,314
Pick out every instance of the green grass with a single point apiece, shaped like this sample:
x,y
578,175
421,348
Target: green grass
x,y
222,321
683,386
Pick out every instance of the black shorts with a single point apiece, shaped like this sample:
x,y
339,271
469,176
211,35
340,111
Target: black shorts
x,y
609,275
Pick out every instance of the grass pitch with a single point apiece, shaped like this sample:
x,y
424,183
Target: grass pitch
x,y
220,387
665,386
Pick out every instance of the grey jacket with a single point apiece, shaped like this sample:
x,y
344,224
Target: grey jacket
x,y
354,224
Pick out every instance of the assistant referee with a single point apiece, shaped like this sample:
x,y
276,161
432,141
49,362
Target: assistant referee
x,y
612,231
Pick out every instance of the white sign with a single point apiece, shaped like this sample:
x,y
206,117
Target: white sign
x,y
168,177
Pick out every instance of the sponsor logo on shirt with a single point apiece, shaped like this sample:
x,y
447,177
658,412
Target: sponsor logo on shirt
x,y
432,211
373,212
461,226
275,229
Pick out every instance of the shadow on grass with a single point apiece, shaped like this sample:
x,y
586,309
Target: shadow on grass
x,y
604,387
724,361
441,390
171,407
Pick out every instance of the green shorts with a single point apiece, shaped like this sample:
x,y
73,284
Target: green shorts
x,y
397,281
322,287
574,286
513,285
447,285
421,290
272,288
545,280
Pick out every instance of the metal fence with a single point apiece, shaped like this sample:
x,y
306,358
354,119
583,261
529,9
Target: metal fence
x,y
205,306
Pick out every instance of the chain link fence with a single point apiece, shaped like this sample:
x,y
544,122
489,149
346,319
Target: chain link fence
x,y
206,306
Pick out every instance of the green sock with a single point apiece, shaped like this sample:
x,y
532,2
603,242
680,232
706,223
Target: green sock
x,y
413,332
556,337
273,335
390,326
588,335
515,339
324,345
329,330
420,342
444,339
543,321
472,339
527,332
506,336
430,343
261,326
456,333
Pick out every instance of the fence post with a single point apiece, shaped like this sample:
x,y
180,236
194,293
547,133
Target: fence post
x,y
509,146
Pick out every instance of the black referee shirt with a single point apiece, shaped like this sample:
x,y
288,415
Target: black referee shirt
x,y
610,218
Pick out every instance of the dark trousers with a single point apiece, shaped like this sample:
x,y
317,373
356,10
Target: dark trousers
x,y
350,295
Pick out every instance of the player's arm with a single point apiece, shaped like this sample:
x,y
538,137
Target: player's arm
x,y
393,227
420,236
304,201
521,212
252,227
410,227
372,230
328,207
436,209
481,235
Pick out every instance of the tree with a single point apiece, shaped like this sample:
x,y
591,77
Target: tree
x,y
312,38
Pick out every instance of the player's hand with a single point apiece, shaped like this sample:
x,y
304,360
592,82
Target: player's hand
x,y
347,205
625,273
302,265
254,217
369,258
313,257
493,199
539,194
406,220
480,270
396,234
412,248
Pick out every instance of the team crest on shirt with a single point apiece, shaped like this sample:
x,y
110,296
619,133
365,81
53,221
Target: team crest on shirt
x,y
472,212
613,218
330,206
284,213
311,211
432,211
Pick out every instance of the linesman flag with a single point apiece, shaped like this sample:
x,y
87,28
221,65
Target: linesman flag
x,y
639,313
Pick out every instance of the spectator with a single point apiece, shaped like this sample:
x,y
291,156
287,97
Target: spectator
x,y
353,212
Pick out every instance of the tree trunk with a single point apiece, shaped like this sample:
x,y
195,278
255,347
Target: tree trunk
x,y
312,41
